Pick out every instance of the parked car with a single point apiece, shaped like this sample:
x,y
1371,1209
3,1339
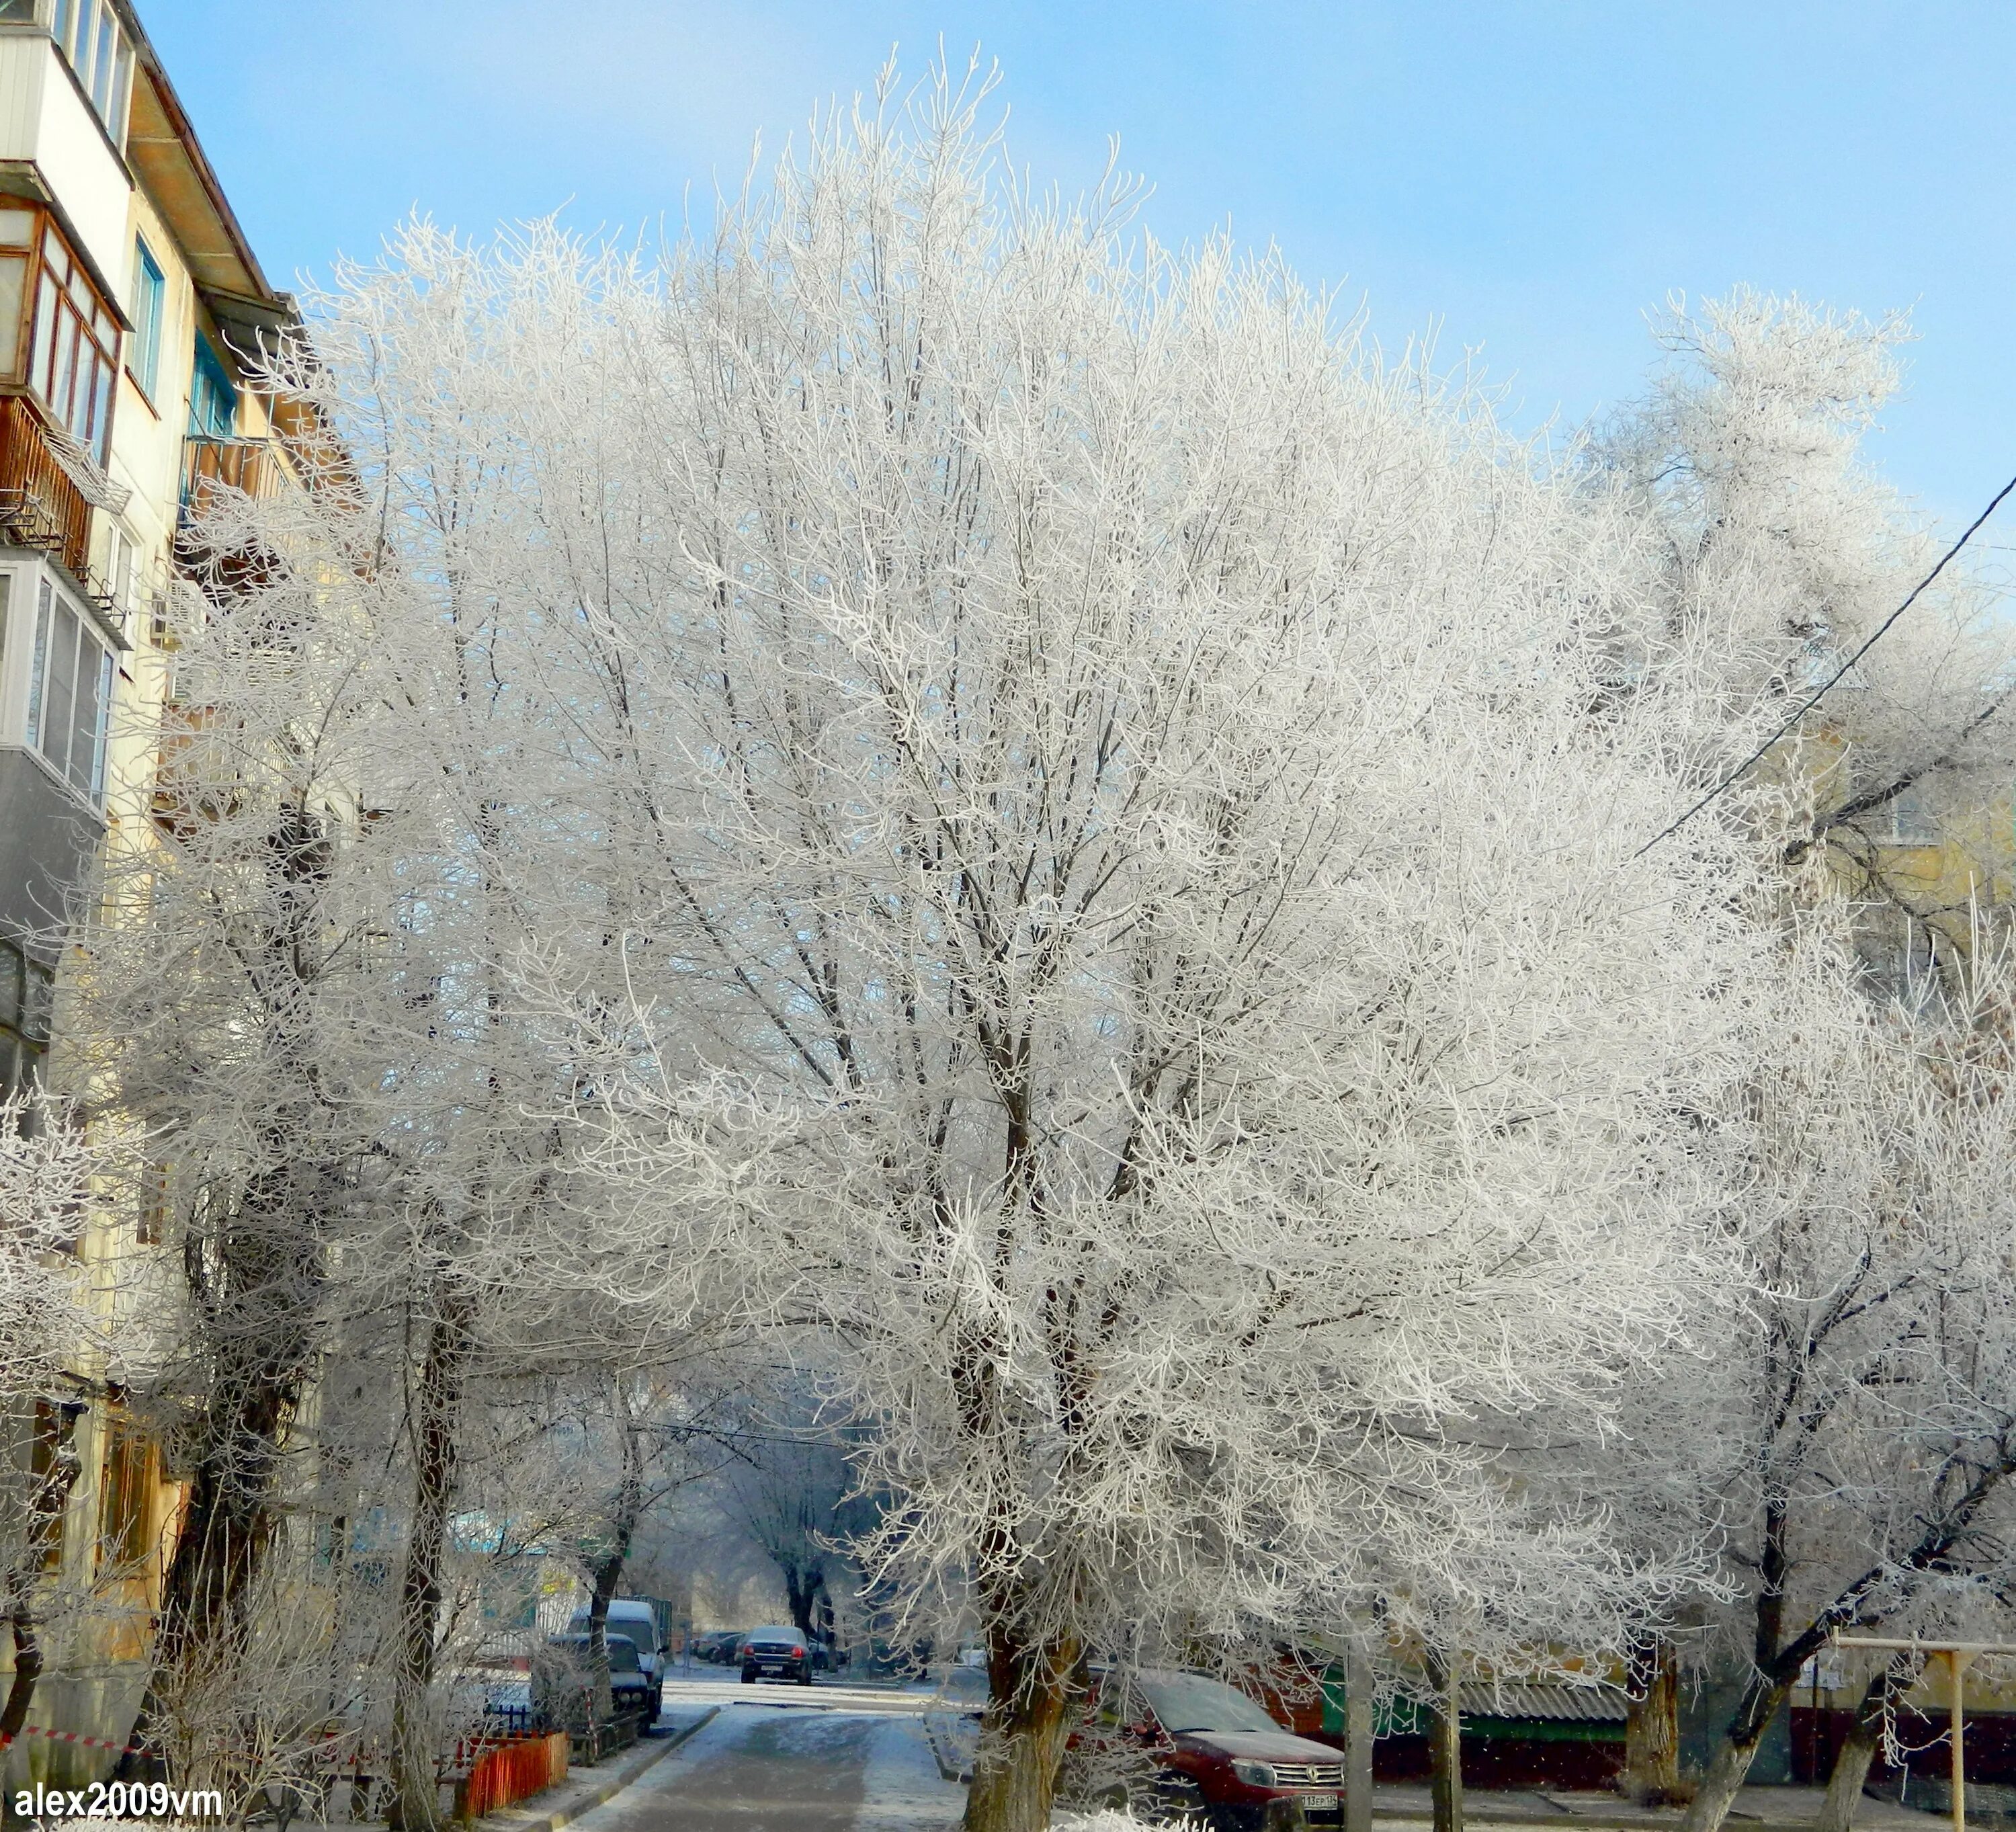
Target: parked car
x,y
565,1676
635,1618
721,1646
776,1653
1217,1757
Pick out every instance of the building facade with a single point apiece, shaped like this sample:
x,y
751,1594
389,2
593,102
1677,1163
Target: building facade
x,y
131,310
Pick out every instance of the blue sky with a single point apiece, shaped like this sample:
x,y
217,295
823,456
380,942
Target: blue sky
x,y
1530,178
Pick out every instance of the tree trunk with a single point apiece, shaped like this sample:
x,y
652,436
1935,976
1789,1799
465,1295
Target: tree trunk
x,y
802,1588
415,1807
1445,1745
1851,1766
28,1670
1652,1728
1763,1695
226,1526
1022,1736
607,1572
255,1290
46,1509
1358,1729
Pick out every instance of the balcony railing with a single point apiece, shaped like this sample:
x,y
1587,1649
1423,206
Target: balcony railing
x,y
40,505
220,561
208,464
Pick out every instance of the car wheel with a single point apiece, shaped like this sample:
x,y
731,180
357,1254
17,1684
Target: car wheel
x,y
749,1675
1177,1800
804,1675
658,1702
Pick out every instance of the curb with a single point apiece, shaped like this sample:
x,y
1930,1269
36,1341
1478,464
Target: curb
x,y
947,1771
1594,1822
661,1747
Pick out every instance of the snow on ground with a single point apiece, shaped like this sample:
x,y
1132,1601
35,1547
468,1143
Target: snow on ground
x,y
903,1791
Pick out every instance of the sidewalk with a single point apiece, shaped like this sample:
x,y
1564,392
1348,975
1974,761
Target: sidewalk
x,y
1757,1809
585,1789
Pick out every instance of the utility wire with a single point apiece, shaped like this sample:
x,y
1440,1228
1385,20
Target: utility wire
x,y
1743,768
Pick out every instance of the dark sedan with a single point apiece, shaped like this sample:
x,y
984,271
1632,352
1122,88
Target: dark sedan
x,y
776,1653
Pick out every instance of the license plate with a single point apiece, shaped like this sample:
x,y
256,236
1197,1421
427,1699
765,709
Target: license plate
x,y
1320,1802
770,1667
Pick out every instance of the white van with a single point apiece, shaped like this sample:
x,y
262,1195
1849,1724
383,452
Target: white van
x,y
633,1616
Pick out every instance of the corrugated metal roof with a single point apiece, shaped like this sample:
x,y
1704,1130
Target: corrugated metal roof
x,y
1571,1704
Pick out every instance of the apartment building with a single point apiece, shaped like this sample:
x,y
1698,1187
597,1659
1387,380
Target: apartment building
x,y
130,302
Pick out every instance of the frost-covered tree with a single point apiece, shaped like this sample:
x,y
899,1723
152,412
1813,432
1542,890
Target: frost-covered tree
x,y
47,1167
1779,549
793,1494
1872,1400
295,990
927,773
1118,901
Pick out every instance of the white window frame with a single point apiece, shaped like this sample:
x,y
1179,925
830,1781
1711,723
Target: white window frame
x,y
96,45
45,618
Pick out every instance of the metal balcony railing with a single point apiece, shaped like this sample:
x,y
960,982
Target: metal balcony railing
x,y
40,505
248,465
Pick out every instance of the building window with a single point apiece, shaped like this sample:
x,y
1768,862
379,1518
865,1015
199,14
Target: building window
x,y
127,1476
70,694
74,351
213,400
153,1228
150,305
48,1484
98,51
19,237
122,573
27,994
1912,822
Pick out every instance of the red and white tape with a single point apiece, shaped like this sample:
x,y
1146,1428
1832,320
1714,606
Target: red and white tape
x,y
75,1736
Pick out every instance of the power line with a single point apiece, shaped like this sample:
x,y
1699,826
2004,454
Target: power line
x,y
1743,768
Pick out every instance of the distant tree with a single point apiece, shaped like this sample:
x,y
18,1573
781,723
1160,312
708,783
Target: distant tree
x,y
795,1495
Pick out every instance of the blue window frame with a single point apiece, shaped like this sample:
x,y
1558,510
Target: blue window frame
x,y
150,301
213,400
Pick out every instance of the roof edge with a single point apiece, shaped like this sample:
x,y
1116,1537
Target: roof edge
x,y
149,61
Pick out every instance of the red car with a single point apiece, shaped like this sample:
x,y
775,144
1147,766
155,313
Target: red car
x,y
1219,1759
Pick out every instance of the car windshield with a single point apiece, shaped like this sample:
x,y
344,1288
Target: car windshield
x,y
622,1654
1189,1701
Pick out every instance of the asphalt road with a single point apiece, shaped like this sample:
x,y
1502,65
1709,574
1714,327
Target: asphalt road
x,y
775,1767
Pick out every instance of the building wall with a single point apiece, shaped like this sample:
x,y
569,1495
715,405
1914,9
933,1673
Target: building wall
x,y
51,144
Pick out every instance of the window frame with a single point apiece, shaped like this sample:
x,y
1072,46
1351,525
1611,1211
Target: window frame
x,y
27,989
100,53
55,690
126,1470
211,378
80,317
151,312
54,345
